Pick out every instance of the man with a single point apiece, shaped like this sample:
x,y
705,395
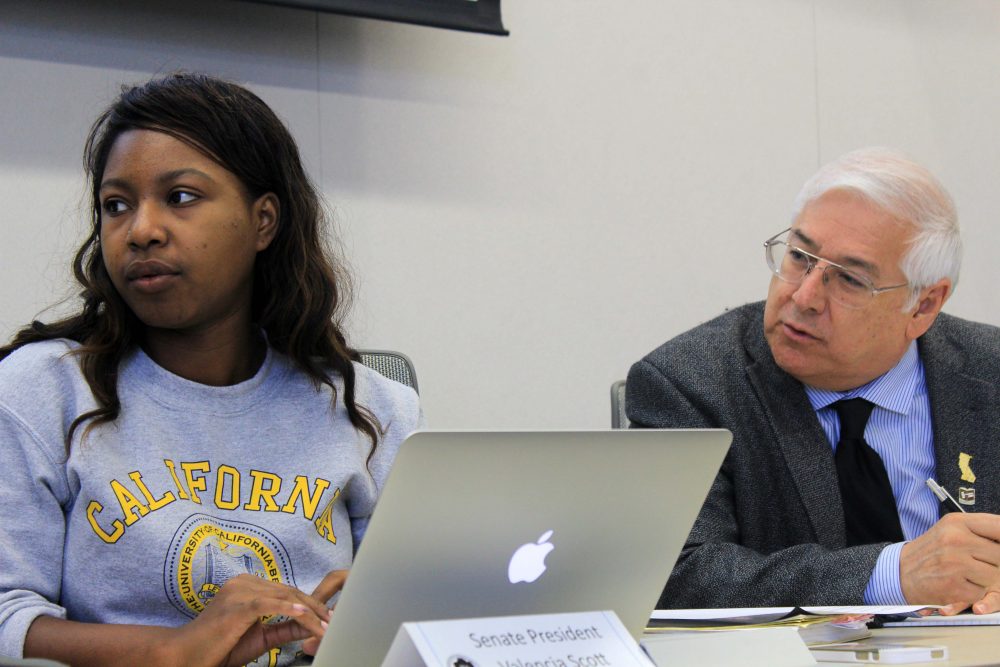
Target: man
x,y
814,504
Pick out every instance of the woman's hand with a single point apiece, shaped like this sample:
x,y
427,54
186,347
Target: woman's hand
x,y
331,585
230,631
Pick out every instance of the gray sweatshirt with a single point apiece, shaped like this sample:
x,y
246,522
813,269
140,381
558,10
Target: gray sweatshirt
x,y
148,516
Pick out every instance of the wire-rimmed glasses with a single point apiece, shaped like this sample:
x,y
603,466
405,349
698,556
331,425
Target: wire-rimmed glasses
x,y
792,264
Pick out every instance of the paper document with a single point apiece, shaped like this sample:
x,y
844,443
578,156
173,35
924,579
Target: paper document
x,y
815,625
756,615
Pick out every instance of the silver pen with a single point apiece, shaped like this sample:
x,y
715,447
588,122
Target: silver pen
x,y
942,494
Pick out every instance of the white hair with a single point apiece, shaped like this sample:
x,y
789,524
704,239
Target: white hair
x,y
908,192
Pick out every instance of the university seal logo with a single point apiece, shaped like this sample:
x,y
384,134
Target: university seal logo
x,y
206,552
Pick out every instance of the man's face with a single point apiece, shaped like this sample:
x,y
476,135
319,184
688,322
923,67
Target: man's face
x,y
820,342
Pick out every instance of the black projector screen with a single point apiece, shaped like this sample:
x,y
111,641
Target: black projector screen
x,y
471,15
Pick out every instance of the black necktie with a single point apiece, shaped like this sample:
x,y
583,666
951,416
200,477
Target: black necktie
x,y
869,508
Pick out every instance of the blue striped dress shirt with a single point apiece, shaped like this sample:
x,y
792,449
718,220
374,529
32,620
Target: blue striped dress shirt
x,y
900,431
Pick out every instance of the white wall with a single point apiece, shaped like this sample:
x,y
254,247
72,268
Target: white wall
x,y
528,215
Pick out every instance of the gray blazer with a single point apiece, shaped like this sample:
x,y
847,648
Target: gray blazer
x,y
771,532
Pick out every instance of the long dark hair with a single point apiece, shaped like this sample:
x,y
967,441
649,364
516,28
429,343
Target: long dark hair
x,y
299,293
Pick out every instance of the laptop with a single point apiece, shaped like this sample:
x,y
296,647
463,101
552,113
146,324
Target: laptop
x,y
597,519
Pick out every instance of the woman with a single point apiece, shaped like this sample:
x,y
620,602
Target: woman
x,y
193,456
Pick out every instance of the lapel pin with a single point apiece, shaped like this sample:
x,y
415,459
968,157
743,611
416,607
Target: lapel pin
x,y
963,466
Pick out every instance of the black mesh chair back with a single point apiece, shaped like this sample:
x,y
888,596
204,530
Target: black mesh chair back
x,y
393,365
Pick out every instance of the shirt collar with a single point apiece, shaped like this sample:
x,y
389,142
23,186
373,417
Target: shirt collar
x,y
893,390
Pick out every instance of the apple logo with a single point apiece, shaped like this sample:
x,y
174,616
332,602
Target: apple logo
x,y
528,562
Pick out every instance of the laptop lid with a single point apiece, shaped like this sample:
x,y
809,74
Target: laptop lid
x,y
604,515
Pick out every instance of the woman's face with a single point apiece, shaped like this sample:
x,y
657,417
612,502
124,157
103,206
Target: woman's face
x,y
179,234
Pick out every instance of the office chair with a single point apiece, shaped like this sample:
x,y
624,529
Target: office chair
x,y
393,365
618,416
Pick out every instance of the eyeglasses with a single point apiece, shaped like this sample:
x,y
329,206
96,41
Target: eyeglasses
x,y
792,264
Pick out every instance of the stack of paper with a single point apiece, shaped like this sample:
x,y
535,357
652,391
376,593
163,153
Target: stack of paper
x,y
769,636
816,625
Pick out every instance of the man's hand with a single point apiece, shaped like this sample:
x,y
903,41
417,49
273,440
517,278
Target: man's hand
x,y
955,563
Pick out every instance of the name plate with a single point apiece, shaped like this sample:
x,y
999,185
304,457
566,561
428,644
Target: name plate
x,y
584,639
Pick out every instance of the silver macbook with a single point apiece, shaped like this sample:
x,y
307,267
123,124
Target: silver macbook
x,y
475,524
